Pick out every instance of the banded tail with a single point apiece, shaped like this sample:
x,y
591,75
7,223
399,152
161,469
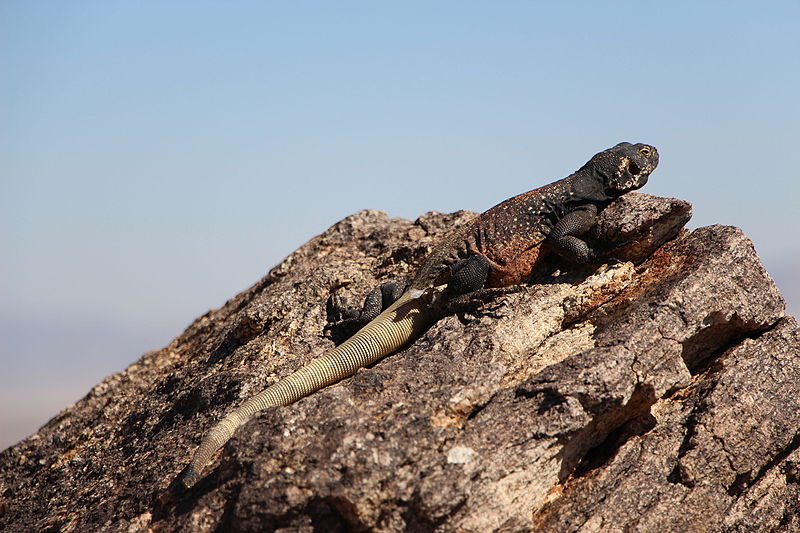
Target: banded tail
x,y
389,331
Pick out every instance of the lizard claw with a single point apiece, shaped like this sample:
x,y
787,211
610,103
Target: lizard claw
x,y
340,316
477,302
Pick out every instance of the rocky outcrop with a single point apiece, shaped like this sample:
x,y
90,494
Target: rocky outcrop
x,y
660,393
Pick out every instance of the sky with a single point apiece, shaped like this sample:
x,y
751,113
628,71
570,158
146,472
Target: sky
x,y
156,158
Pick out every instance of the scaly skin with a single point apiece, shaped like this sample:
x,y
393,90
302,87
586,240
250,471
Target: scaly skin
x,y
389,331
498,249
514,235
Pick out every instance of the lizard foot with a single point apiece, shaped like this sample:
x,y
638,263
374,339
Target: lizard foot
x,y
337,310
478,303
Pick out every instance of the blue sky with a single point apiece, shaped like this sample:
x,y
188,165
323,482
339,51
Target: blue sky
x,y
156,158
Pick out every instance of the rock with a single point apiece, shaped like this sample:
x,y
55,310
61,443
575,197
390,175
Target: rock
x,y
655,394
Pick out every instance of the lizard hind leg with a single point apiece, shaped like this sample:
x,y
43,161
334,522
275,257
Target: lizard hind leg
x,y
468,275
466,291
377,300
380,298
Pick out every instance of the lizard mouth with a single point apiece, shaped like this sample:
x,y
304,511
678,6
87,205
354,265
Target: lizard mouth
x,y
633,168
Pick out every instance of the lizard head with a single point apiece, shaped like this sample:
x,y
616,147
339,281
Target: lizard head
x,y
626,166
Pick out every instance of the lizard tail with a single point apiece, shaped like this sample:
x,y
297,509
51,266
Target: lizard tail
x,y
386,333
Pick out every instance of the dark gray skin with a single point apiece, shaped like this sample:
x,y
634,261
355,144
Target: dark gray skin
x,y
502,246
496,251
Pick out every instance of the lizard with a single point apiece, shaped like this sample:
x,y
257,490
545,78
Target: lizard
x,y
495,251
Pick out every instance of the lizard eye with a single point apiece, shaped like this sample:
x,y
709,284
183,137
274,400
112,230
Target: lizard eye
x,y
645,151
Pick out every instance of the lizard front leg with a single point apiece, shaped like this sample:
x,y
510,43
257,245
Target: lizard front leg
x,y
563,238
